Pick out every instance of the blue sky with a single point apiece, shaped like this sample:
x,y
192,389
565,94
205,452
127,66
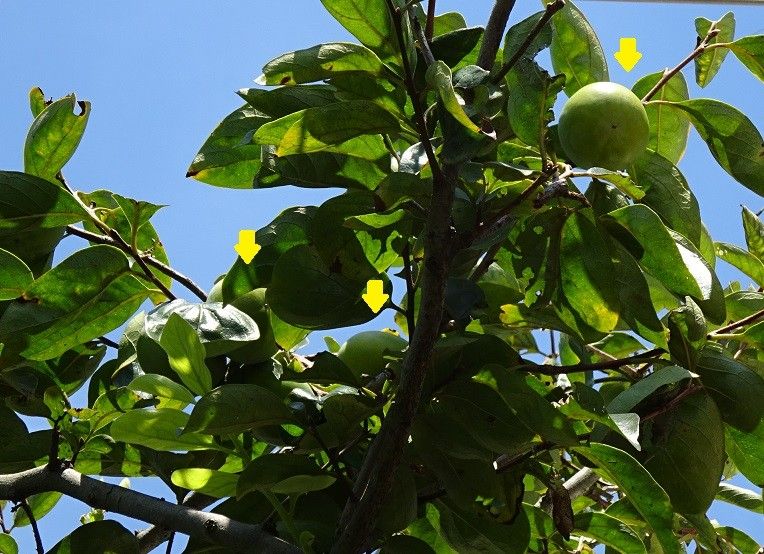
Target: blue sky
x,y
162,74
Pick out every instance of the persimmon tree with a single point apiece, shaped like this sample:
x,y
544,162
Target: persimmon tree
x,y
569,371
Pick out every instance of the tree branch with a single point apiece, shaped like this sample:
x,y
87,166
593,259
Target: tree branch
x,y
153,536
376,475
607,364
149,260
669,73
430,26
410,291
753,318
214,528
550,10
494,32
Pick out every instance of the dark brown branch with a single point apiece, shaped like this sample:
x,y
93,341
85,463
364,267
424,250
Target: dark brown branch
x,y
429,28
214,528
668,74
410,290
149,260
550,10
598,366
376,475
753,318
494,32
24,505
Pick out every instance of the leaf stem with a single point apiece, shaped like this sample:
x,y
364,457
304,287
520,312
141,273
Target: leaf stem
x,y
668,74
551,9
285,516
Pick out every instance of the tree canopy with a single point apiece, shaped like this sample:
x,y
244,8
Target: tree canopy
x,y
567,370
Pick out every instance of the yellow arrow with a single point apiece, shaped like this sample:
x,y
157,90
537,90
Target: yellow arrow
x,y
628,55
374,297
247,247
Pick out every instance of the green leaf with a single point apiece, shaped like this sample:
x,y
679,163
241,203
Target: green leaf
x,y
284,473
735,388
87,295
609,531
732,138
169,393
137,213
742,542
406,544
668,194
217,484
686,454
319,63
220,328
576,50
741,259
532,409
750,51
439,77
368,21
484,416
740,497
627,400
679,267
99,536
447,22
668,129
15,276
306,292
28,202
186,354
519,32
54,136
231,409
158,429
688,330
754,233
587,273
647,496
709,62
467,531
229,158
40,504
320,129
37,102
746,450
532,94
8,544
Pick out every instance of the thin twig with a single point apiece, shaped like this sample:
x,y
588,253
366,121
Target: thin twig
x,y
550,10
108,342
138,257
494,32
33,522
545,369
150,260
692,389
668,74
753,318
485,263
171,540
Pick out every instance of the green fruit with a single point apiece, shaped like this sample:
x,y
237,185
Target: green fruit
x,y
364,353
216,292
604,125
253,304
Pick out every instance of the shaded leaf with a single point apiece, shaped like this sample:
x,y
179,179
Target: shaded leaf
x,y
746,450
231,409
647,496
636,393
15,276
285,473
609,531
532,94
99,536
28,202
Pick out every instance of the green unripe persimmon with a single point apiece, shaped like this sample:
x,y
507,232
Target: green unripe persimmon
x,y
364,353
604,125
253,304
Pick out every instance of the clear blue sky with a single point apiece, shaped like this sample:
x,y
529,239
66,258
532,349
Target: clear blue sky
x,y
162,74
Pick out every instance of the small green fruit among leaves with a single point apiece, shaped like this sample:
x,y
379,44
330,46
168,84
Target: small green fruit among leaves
x,y
364,353
604,125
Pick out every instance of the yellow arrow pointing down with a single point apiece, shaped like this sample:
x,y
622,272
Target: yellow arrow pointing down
x,y
628,55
